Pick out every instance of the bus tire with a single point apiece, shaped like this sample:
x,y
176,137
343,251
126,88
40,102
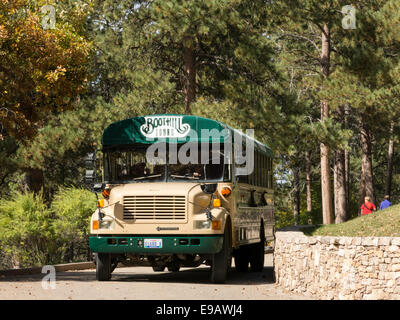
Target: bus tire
x,y
158,268
114,264
257,253
103,266
173,268
242,259
222,261
257,257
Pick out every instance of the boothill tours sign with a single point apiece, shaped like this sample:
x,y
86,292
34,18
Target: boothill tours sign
x,y
164,127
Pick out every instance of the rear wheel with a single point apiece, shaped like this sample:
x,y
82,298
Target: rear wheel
x,y
222,260
103,266
173,268
242,259
257,252
257,257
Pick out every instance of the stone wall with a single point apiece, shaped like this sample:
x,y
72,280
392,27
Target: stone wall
x,y
338,267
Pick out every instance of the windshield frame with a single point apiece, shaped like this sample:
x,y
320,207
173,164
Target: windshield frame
x,y
226,175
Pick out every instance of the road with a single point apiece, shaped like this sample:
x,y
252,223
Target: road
x,y
142,283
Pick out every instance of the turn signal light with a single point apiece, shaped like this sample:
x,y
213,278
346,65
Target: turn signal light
x,y
100,203
95,225
226,191
216,202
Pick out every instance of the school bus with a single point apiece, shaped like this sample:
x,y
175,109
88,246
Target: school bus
x,y
182,191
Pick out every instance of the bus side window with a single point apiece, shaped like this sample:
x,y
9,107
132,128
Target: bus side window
x,y
269,172
258,169
255,171
264,171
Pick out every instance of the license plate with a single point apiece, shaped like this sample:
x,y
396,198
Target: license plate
x,y
153,243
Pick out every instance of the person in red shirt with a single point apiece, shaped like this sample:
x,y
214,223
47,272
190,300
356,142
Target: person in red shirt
x,y
367,207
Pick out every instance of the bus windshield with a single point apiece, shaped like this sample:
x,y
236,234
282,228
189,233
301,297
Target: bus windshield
x,y
131,166
180,164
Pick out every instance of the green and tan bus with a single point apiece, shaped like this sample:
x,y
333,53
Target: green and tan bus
x,y
176,192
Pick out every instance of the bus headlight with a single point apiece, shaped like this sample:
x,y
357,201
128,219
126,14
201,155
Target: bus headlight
x,y
106,224
202,224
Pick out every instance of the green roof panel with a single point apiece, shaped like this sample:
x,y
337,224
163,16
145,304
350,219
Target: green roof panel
x,y
171,128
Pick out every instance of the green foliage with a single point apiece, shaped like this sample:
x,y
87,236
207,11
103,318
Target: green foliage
x,y
34,234
26,232
73,208
8,161
42,70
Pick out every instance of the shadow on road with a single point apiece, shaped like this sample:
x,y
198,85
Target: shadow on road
x,y
200,275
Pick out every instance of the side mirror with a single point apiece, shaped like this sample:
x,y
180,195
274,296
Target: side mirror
x,y
90,177
99,187
90,160
90,165
209,188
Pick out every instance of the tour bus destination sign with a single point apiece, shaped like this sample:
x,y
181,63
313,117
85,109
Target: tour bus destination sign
x,y
164,127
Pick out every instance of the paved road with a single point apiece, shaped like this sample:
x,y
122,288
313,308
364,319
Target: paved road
x,y
145,284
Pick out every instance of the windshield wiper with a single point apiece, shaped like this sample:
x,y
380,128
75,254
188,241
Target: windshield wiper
x,y
147,177
184,177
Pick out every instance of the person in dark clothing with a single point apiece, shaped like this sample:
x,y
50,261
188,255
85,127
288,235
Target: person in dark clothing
x,y
385,203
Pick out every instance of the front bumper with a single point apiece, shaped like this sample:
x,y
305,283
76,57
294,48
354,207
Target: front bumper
x,y
170,244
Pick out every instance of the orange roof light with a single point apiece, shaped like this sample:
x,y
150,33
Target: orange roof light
x,y
216,203
106,193
100,203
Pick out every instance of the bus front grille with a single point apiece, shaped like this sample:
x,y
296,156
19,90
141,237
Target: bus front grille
x,y
152,208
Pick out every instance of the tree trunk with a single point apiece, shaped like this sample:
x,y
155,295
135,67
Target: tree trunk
x,y
189,69
325,165
296,195
340,187
389,172
339,174
347,158
34,180
366,185
308,181
347,176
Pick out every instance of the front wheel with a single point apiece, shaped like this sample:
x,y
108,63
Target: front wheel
x,y
158,268
103,266
222,260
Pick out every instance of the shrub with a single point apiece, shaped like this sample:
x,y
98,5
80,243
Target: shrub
x,y
26,235
72,209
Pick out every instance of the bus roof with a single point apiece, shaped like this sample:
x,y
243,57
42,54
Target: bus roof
x,y
172,128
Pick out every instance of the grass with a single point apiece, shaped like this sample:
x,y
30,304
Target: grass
x,y
385,223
